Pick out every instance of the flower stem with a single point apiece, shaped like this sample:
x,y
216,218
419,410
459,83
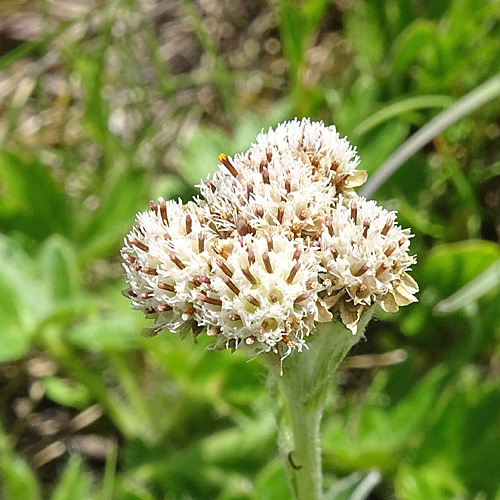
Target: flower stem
x,y
304,379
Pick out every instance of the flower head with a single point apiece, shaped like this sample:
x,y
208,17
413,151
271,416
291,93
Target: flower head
x,y
277,242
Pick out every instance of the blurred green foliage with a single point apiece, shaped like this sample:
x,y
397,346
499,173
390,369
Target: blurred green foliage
x,y
97,119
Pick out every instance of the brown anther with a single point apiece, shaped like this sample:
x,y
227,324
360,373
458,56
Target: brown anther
x,y
309,286
259,212
301,297
265,176
293,273
131,293
211,185
329,225
204,279
231,285
136,267
269,240
139,244
362,270
269,155
297,254
154,206
189,312
390,249
149,270
335,165
281,213
288,187
176,260
263,164
366,226
223,253
287,340
227,163
234,317
165,286
129,258
163,210
144,296
248,275
209,300
303,215
249,190
201,242
252,300
273,297
189,223
251,256
164,308
193,281
267,262
224,268
335,254
380,270
388,224
354,213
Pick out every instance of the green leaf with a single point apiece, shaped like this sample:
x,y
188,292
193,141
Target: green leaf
x,y
374,150
17,479
74,484
411,42
402,106
105,230
450,266
59,270
429,482
14,341
22,303
66,393
109,479
32,201
473,290
200,155
271,483
113,333
357,486
411,413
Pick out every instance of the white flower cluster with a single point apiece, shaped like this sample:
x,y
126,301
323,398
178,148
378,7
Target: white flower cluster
x,y
277,242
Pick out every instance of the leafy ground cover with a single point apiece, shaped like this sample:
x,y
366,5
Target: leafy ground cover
x,y
105,105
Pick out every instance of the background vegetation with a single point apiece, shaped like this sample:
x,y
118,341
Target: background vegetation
x,y
105,105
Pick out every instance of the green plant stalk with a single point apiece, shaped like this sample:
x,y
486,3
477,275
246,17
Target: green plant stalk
x,y
304,380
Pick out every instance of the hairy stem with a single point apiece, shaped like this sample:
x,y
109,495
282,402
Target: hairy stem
x,y
304,379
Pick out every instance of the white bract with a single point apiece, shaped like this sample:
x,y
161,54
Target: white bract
x,y
277,242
